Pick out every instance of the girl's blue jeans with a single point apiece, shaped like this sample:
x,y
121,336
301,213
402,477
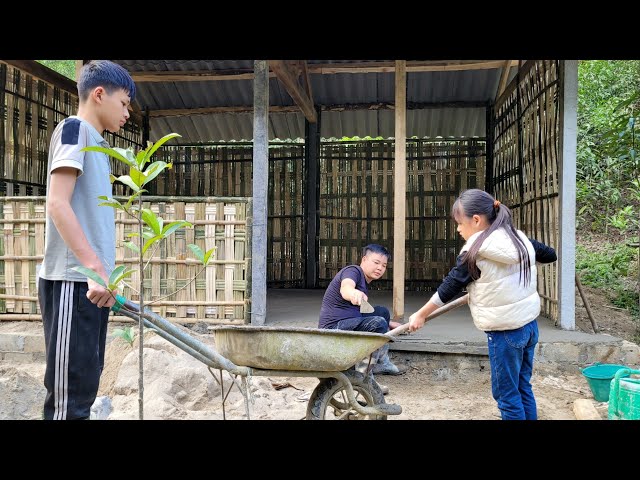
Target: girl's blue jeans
x,y
511,360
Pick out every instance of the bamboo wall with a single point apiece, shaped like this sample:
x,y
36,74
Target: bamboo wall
x,y
226,170
30,109
356,200
219,294
525,162
356,204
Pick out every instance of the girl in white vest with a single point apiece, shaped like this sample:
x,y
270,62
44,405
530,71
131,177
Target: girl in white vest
x,y
497,264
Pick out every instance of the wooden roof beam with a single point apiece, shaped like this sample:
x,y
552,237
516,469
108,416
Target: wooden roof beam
x,y
286,72
178,112
194,76
412,67
504,76
321,68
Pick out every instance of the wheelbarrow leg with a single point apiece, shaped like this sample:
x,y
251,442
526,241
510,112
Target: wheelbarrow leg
x,y
245,384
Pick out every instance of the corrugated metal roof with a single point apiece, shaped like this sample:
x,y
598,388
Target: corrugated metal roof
x,y
328,89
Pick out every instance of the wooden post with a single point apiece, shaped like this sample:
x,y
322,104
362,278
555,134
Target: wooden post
x,y
312,200
567,195
79,64
399,188
260,186
488,171
146,128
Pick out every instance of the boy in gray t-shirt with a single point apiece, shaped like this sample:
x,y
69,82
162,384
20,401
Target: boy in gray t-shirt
x,y
75,309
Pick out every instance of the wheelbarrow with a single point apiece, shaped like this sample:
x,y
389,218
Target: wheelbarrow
x,y
329,355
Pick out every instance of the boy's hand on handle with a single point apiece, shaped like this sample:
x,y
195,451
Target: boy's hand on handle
x,y
100,296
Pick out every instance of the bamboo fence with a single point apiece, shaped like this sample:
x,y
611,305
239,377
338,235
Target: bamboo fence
x,y
218,294
525,162
356,204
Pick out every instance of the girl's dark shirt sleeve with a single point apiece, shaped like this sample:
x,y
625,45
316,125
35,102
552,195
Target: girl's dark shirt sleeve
x,y
458,277
455,281
544,253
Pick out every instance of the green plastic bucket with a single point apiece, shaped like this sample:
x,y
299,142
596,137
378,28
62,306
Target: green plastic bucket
x,y
624,399
599,376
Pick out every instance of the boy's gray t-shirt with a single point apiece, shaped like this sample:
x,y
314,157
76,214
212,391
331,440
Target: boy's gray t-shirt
x,y
98,223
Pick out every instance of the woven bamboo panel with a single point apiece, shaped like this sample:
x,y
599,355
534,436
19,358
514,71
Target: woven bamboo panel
x,y
21,247
226,170
30,109
219,293
525,166
356,204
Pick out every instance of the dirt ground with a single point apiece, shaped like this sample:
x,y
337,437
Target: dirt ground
x,y
180,387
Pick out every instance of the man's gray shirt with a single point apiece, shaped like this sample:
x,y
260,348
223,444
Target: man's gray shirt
x,y
98,223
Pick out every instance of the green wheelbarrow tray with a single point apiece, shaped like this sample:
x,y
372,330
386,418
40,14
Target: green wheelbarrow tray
x,y
305,349
296,349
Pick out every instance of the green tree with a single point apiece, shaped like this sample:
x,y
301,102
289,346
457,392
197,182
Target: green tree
x,y
607,165
64,67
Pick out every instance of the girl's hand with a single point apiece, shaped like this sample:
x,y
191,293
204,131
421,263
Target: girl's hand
x,y
416,322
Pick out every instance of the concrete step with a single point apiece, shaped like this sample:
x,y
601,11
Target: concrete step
x,y
21,342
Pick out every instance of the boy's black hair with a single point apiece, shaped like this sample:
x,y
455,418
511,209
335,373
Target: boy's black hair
x,y
107,74
375,248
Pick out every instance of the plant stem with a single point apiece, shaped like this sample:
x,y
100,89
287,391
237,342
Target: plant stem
x,y
181,288
140,319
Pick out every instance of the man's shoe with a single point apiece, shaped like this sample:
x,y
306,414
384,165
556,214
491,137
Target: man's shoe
x,y
389,368
384,388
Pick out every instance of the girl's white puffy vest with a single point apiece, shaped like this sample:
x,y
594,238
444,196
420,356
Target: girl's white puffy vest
x,y
498,300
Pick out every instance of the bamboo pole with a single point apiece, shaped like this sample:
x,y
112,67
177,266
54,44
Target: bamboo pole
x,y
587,305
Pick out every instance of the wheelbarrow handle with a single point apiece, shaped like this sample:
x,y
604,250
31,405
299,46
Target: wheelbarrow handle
x,y
458,302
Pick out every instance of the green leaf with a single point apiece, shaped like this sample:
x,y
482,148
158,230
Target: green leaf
x,y
154,170
173,226
126,179
140,158
113,152
150,219
132,246
127,153
118,275
159,143
197,251
150,242
208,255
91,274
114,203
137,177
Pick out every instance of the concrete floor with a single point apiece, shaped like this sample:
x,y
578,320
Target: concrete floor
x,y
453,332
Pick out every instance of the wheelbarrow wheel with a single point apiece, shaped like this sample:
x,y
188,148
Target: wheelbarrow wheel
x,y
329,399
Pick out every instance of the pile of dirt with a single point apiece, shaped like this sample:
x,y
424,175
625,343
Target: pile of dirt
x,y
22,391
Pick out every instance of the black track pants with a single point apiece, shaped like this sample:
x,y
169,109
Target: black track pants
x,y
75,333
